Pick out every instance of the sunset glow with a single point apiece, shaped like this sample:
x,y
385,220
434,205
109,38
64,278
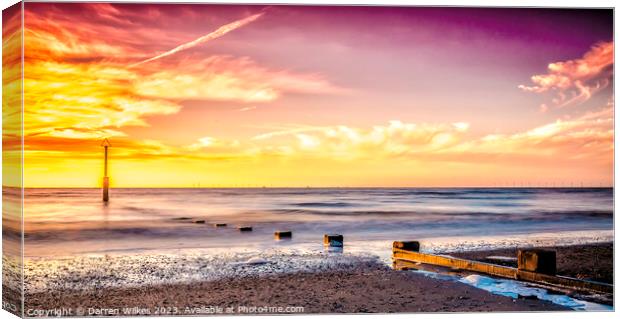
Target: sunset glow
x,y
207,95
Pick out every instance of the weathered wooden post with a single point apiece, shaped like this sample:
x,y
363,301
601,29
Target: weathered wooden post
x,y
333,240
407,245
412,246
106,179
537,260
279,235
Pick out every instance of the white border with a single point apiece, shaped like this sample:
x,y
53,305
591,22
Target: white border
x,y
486,3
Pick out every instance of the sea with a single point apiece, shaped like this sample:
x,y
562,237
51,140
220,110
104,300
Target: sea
x,y
61,222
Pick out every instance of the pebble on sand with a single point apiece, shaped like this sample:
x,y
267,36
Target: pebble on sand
x,y
256,261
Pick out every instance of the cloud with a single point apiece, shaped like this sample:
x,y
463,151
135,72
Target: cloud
x,y
286,132
81,97
221,31
245,109
53,34
11,74
308,141
343,142
586,137
84,134
226,78
213,143
78,84
43,148
575,81
80,89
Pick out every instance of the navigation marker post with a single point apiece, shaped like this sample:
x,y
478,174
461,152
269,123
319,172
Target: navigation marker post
x,y
106,179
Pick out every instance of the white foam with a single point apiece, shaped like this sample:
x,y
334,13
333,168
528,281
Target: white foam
x,y
514,289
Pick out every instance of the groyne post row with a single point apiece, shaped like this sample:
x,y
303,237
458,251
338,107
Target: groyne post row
x,y
534,265
329,240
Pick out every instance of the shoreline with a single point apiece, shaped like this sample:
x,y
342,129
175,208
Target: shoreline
x,y
378,246
369,287
321,282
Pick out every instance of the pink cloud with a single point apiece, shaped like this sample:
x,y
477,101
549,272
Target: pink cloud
x,y
226,78
576,81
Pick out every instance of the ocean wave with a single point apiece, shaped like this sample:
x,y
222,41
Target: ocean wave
x,y
324,204
162,218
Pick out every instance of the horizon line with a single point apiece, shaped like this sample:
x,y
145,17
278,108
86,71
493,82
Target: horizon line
x,y
314,187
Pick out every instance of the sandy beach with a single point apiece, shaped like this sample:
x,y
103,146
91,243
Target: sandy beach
x,y
370,287
357,285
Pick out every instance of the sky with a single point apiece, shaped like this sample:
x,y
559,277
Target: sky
x,y
296,96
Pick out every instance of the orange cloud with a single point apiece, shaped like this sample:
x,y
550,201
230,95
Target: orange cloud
x,y
551,150
575,81
93,97
80,89
11,96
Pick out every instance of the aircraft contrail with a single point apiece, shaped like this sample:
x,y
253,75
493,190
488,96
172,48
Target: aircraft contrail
x,y
206,38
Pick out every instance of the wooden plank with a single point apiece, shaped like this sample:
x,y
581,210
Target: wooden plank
x,y
451,262
404,259
566,282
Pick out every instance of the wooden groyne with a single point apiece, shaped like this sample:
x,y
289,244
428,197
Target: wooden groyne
x,y
405,259
406,255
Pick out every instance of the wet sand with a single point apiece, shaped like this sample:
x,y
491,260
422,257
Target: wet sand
x,y
371,287
590,262
342,285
